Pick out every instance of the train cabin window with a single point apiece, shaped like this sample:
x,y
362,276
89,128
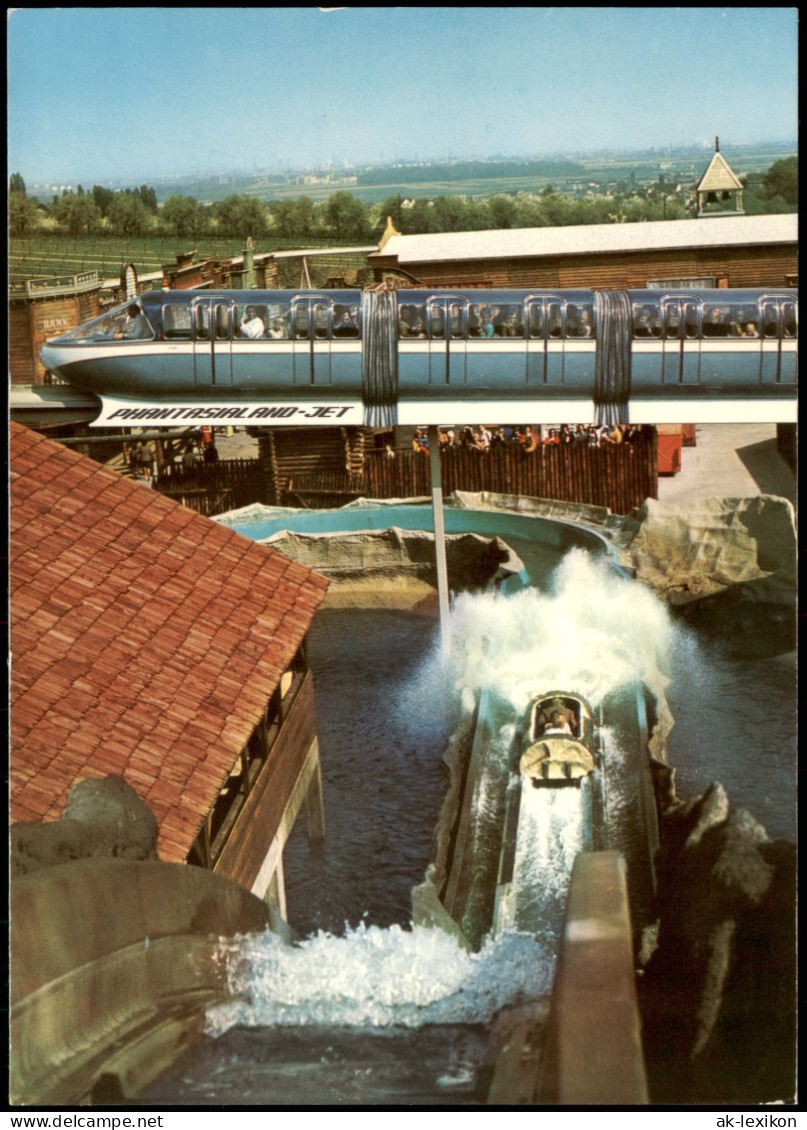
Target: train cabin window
x,y
554,319
251,321
647,320
278,319
789,319
456,321
201,322
301,322
509,321
691,324
321,320
716,319
222,316
412,320
345,321
579,320
176,322
437,322
536,320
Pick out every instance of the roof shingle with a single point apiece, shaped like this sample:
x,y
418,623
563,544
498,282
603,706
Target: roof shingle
x,y
145,639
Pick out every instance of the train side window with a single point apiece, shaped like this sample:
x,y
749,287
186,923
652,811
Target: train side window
x,y
770,319
278,319
579,320
647,320
438,329
412,320
301,322
202,323
320,320
509,322
691,321
789,319
345,321
457,322
716,319
222,322
554,319
536,321
176,322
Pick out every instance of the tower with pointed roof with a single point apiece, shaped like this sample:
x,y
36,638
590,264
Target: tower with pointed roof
x,y
719,185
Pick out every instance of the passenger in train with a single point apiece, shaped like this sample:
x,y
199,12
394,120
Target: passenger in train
x,y
646,322
252,326
487,328
716,323
579,322
346,326
136,325
511,325
278,330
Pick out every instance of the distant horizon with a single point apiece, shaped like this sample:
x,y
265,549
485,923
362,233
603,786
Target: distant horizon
x,y
405,162
276,89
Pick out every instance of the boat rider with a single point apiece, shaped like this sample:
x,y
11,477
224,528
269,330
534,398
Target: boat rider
x,y
558,723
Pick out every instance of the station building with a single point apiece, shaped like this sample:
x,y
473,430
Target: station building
x,y
151,643
725,251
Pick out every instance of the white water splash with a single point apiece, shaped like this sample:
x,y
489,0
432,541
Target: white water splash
x,y
377,978
593,632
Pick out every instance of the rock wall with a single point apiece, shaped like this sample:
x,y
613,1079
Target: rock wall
x,y
719,989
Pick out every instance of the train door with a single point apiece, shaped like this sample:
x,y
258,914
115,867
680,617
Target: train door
x,y
555,322
680,330
212,319
536,342
778,340
447,319
311,332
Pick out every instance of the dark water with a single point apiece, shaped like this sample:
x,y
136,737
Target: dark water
x,y
383,719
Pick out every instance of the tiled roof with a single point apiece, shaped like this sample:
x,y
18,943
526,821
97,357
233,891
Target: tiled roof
x,y
145,639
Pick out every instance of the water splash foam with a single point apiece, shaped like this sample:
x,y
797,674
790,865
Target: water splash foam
x,y
375,977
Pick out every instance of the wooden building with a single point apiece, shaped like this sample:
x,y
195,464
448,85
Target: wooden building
x,y
151,643
43,308
719,187
730,251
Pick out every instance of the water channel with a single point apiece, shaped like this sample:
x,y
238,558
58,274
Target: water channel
x,y
368,1009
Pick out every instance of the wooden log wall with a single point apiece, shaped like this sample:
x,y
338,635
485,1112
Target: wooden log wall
x,y
619,477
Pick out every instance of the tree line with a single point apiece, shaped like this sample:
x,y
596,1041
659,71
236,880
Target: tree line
x,y
343,217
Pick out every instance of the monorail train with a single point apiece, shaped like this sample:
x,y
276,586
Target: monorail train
x,y
418,356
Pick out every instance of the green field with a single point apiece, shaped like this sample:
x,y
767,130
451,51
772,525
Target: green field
x,y
49,256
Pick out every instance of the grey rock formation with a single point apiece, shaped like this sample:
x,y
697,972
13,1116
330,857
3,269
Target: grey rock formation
x,y
102,817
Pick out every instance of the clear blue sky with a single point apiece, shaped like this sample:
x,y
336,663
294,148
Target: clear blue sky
x,y
135,93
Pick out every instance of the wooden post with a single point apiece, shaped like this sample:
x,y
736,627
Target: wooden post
x,y
439,535
314,806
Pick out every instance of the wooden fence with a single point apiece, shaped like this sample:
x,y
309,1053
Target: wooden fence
x,y
212,488
619,477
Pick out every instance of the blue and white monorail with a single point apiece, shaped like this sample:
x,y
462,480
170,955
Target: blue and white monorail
x,y
421,356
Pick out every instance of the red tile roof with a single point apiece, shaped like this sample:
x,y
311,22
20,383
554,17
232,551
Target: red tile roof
x,y
145,639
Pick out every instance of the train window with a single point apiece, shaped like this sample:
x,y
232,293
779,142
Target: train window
x,y
176,321
716,319
647,320
691,321
554,319
222,322
456,321
438,328
320,320
301,321
536,320
201,322
251,321
345,321
579,320
412,320
278,319
790,324
509,321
